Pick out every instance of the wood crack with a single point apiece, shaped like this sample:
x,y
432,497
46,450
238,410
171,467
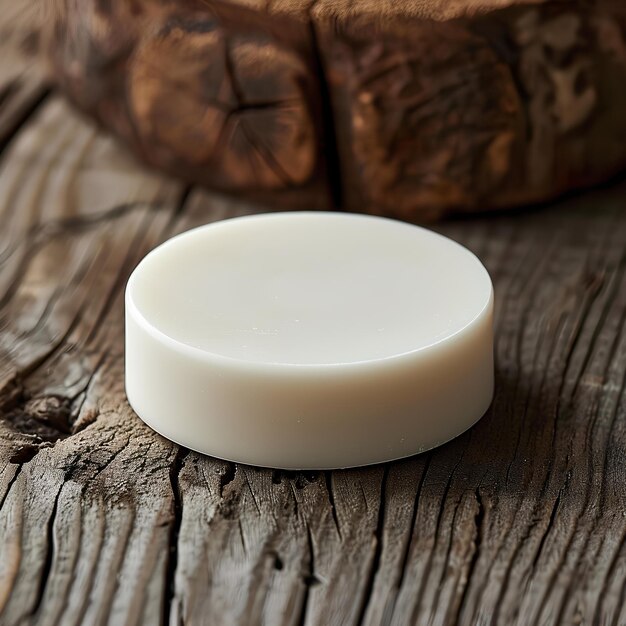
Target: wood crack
x,y
81,422
254,500
227,476
11,483
172,557
443,502
621,602
479,519
47,563
416,502
378,548
615,558
328,477
329,143
309,579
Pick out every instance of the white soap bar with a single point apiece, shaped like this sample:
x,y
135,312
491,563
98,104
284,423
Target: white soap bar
x,y
309,340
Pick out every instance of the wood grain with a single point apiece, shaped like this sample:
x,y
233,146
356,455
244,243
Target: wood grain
x,y
522,520
22,83
217,95
409,108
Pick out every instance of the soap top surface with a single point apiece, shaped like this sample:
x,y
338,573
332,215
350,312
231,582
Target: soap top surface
x,y
310,288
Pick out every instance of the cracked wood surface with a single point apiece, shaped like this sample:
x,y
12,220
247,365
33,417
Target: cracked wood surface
x,y
522,520
409,108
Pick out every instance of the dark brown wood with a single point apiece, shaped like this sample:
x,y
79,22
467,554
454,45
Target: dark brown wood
x,y
501,109
410,108
219,95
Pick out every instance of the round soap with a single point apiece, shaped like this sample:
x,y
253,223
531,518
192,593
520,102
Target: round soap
x,y
309,340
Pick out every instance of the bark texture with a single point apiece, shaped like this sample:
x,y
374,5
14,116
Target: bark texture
x,y
410,109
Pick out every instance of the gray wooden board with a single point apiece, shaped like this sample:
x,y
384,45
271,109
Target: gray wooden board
x,y
522,520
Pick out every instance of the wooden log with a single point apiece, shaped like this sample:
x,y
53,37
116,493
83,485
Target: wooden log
x,y
222,96
410,108
491,110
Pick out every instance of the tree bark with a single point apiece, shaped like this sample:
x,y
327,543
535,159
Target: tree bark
x,y
408,109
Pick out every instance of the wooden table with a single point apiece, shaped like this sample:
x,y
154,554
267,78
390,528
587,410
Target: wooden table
x,y
522,520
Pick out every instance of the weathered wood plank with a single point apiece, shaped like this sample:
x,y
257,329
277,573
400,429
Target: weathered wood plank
x,y
522,520
77,213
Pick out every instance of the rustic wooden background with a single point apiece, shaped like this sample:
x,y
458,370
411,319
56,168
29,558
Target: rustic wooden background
x,y
406,108
522,520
